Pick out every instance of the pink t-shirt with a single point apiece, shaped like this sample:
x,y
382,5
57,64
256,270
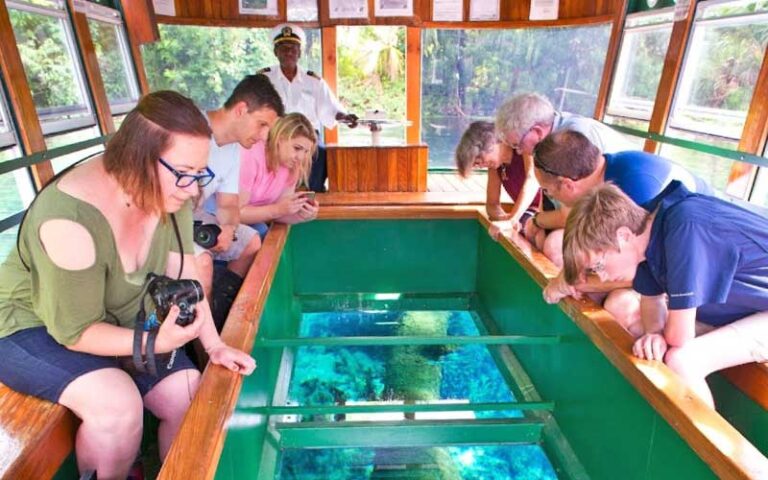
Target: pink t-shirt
x,y
264,187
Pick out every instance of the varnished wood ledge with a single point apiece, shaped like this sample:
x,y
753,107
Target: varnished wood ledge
x,y
196,450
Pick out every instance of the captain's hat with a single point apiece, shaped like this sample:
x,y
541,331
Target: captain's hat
x,y
287,33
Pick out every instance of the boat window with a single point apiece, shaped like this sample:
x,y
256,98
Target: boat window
x,y
759,194
712,168
7,135
205,63
371,76
467,74
638,70
76,136
16,191
721,66
114,57
48,51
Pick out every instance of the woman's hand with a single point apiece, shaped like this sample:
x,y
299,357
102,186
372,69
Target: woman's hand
x,y
651,346
557,289
171,335
309,210
232,359
289,204
503,228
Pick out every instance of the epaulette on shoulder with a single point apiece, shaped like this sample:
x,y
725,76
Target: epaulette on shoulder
x,y
313,74
265,70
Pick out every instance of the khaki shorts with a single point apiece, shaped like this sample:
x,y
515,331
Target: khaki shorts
x,y
244,235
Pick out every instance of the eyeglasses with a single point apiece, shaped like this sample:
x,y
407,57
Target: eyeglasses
x,y
598,266
184,180
515,146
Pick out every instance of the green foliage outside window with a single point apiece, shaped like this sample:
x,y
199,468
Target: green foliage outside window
x,y
111,62
47,63
206,63
467,75
371,69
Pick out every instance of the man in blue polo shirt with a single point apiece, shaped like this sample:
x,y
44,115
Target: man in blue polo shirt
x,y
568,166
692,258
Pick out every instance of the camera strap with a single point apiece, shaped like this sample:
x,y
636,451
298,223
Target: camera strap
x,y
149,365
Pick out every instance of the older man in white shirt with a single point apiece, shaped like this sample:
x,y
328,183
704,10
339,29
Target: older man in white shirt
x,y
305,92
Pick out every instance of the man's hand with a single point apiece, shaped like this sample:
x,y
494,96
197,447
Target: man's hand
x,y
349,118
557,289
651,346
225,238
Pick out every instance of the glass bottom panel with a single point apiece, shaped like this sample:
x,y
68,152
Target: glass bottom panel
x,y
476,462
395,375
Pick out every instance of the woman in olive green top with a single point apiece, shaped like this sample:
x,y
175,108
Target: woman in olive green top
x,y
70,295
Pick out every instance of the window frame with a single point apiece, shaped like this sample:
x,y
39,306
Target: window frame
x,y
622,105
50,127
100,13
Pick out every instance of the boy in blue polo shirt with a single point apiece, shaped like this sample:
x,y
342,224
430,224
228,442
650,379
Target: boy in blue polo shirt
x,y
693,258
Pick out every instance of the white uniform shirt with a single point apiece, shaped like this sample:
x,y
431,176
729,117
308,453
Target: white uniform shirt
x,y
307,95
602,136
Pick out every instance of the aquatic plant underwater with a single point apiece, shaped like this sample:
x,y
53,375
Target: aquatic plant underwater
x,y
410,374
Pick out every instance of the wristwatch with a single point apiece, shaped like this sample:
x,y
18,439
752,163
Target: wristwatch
x,y
536,222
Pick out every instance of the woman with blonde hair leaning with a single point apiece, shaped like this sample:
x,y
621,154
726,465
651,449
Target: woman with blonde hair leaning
x,y
271,171
68,308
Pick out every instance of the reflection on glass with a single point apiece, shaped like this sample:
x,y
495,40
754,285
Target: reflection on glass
x,y
113,64
719,75
371,72
395,374
48,63
711,168
467,74
473,462
205,63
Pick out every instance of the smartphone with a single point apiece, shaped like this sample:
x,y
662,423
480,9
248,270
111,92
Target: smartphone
x,y
309,196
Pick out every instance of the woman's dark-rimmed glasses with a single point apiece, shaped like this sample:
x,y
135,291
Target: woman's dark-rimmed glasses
x,y
184,180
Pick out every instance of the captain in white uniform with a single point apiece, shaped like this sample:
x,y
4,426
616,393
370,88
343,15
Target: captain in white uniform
x,y
305,92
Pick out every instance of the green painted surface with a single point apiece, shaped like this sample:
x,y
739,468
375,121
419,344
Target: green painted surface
x,y
612,431
413,256
744,414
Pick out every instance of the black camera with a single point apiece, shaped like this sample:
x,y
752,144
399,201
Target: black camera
x,y
166,292
205,234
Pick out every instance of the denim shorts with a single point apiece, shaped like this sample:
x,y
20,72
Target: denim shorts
x,y
35,364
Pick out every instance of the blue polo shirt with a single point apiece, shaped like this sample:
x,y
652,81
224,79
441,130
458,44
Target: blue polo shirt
x,y
643,175
708,254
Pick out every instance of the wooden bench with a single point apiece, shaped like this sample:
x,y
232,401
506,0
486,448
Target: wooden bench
x,y
35,435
